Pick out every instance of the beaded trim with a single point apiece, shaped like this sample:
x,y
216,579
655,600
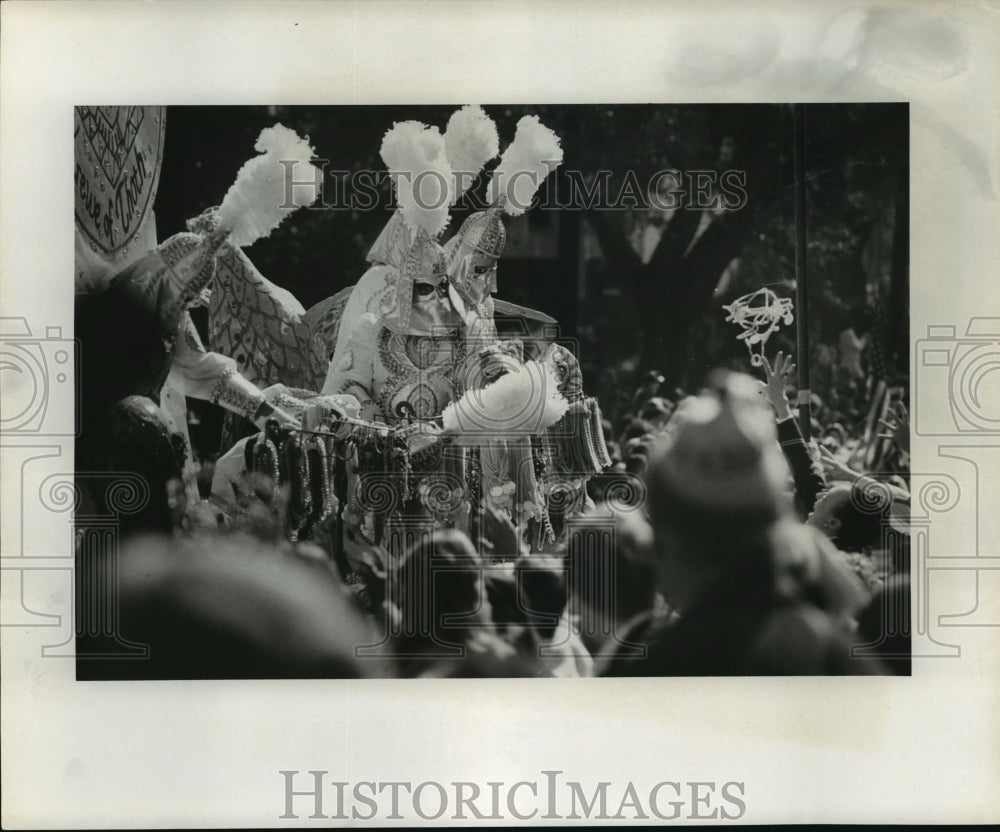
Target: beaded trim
x,y
226,395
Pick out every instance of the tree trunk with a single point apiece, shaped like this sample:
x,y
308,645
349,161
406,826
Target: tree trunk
x,y
675,289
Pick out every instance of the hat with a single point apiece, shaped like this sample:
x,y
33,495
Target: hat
x,y
724,457
415,156
392,242
256,203
470,141
525,164
483,232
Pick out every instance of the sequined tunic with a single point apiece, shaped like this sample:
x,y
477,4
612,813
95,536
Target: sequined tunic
x,y
397,375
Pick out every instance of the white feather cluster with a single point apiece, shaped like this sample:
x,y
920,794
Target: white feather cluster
x,y
261,198
415,156
532,156
524,401
470,140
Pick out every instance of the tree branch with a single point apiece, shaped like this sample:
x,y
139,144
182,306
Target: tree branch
x,y
708,258
674,242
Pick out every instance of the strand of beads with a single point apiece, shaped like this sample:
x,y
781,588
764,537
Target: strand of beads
x,y
319,470
603,459
300,495
266,463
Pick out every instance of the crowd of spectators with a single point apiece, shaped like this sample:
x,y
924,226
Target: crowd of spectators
x,y
720,542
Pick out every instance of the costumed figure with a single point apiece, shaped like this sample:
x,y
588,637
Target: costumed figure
x,y
433,341
470,141
136,334
258,324
398,367
403,362
567,453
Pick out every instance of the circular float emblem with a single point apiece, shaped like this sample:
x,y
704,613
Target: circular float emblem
x,y
117,168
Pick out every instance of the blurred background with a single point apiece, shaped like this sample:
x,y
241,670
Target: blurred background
x,y
638,288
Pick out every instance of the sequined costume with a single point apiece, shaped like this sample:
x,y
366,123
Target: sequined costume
x,y
135,336
400,370
138,343
396,375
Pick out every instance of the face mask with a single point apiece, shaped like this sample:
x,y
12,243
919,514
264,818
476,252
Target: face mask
x,y
475,277
431,308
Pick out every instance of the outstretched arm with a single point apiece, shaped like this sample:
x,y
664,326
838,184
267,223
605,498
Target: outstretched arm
x,y
354,374
808,481
201,374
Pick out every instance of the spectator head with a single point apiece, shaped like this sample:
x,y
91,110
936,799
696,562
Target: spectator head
x,y
636,428
440,578
543,592
651,381
445,622
611,569
637,445
656,411
716,488
636,464
831,443
227,607
852,515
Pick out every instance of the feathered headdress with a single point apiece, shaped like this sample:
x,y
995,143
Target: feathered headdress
x,y
527,161
262,195
259,199
415,156
471,140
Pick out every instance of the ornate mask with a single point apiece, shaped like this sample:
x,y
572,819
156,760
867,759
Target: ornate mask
x,y
423,306
472,266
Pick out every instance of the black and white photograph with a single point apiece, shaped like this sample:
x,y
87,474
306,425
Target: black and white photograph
x,y
492,391
446,413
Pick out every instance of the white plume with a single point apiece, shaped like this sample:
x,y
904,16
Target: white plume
x,y
261,197
415,155
524,401
527,161
471,140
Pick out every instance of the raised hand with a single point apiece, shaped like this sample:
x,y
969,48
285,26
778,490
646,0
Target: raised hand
x,y
500,534
774,385
834,469
896,426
